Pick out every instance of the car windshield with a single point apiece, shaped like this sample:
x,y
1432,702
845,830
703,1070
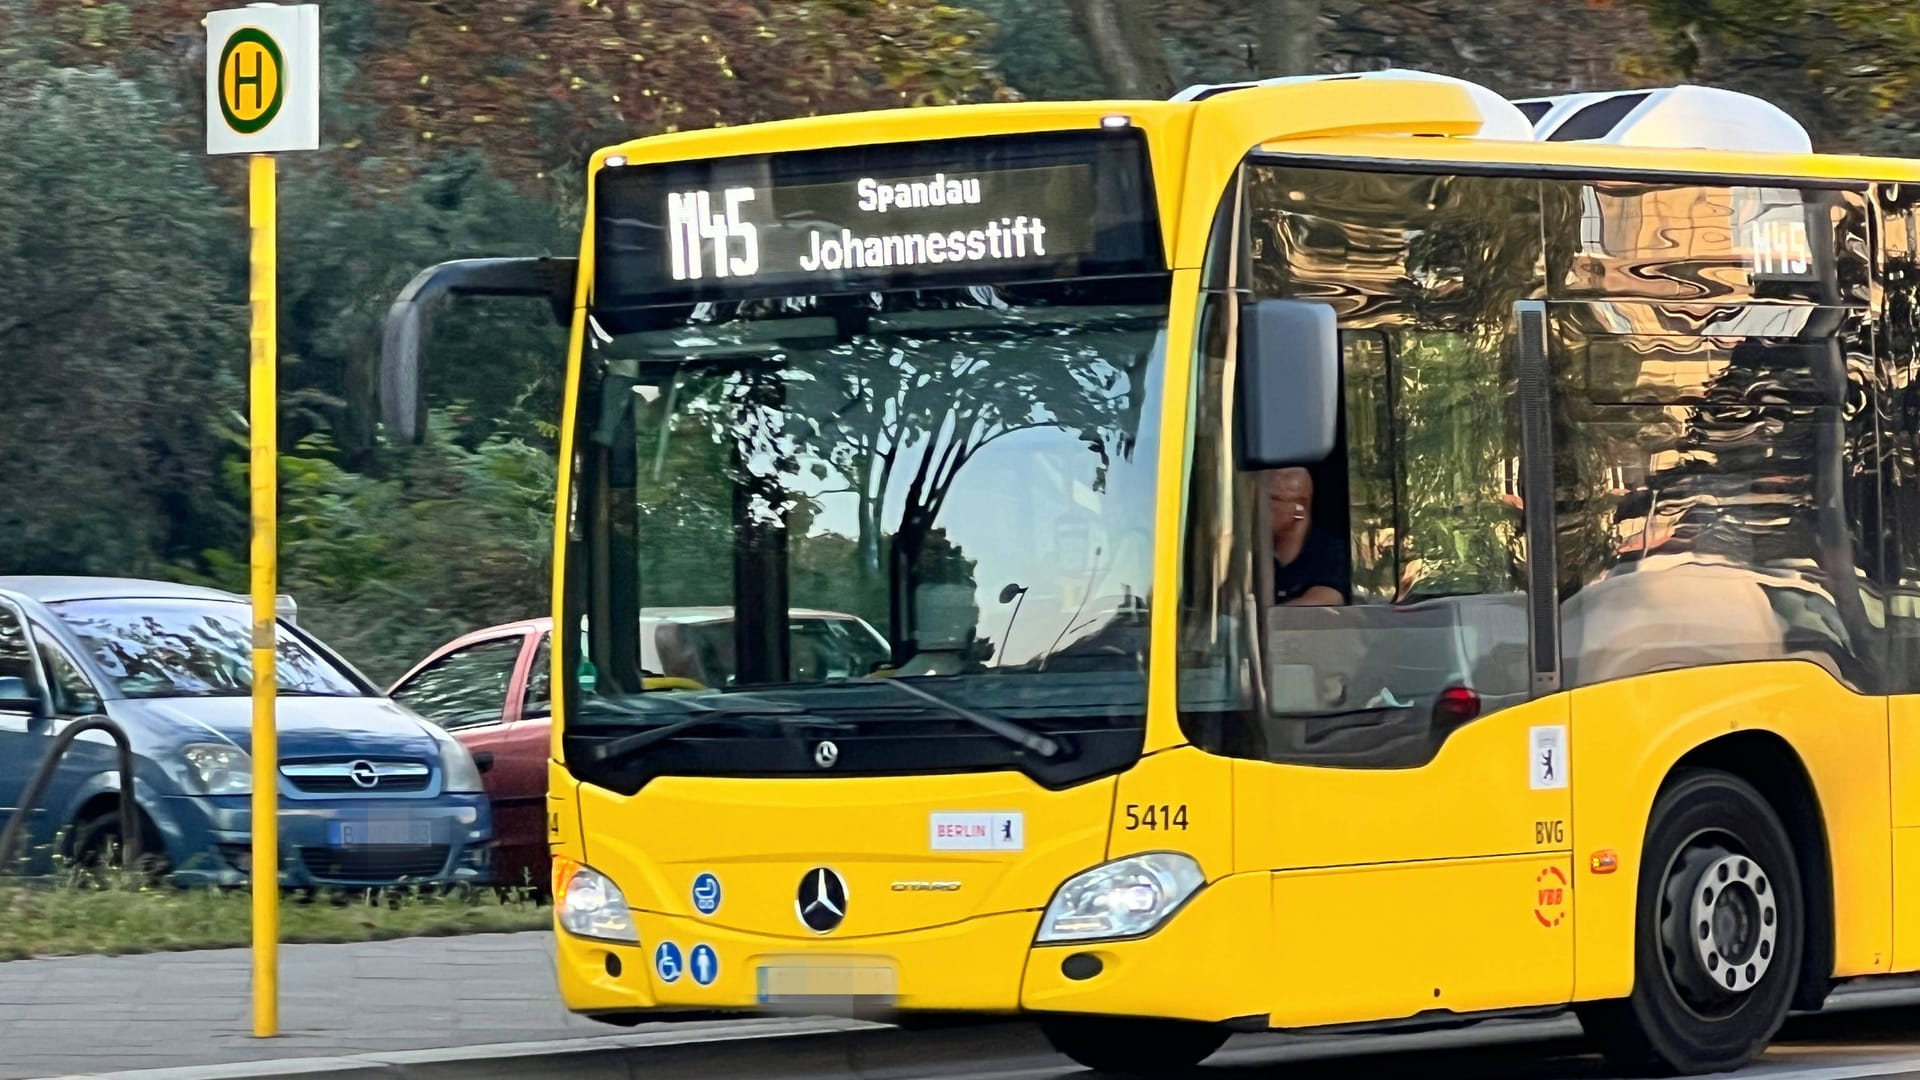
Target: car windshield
x,y
961,479
166,648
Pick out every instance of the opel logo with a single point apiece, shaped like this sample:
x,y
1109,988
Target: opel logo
x,y
364,774
826,754
822,902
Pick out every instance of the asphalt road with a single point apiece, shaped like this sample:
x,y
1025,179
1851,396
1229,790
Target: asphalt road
x,y
483,1008
1874,1035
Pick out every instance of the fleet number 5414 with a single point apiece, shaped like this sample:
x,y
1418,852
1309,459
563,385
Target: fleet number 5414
x,y
1156,818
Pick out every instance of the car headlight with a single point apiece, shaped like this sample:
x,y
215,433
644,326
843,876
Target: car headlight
x,y
592,906
1123,898
459,775
218,768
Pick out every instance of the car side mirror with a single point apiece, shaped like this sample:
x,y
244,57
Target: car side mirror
x,y
18,697
1289,383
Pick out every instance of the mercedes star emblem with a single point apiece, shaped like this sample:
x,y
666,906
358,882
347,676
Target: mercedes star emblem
x,y
364,774
826,754
822,903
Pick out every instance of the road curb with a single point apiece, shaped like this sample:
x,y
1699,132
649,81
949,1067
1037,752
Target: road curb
x,y
803,1049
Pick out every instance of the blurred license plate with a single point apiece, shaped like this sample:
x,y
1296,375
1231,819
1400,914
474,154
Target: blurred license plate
x,y
818,983
392,833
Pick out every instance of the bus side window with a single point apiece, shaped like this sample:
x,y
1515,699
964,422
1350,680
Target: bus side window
x,y
1423,488
1435,623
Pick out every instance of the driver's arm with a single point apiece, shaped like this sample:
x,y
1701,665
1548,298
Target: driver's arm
x,y
1317,596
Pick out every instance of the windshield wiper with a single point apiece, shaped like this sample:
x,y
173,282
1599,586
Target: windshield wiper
x,y
1006,729
628,745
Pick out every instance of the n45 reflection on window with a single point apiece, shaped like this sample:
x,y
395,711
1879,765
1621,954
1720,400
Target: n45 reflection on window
x,y
693,222
1156,818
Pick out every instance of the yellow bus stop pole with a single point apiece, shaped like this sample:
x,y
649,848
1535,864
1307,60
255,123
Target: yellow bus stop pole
x,y
263,423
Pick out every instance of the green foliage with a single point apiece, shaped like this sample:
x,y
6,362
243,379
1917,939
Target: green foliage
x,y
344,256
1037,51
386,567
1845,68
120,323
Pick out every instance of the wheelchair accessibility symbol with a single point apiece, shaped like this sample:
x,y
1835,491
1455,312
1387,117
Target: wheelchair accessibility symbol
x,y
666,962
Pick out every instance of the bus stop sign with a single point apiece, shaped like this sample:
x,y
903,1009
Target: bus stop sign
x,y
263,79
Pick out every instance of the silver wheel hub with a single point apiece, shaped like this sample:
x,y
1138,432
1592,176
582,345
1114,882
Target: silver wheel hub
x,y
1734,922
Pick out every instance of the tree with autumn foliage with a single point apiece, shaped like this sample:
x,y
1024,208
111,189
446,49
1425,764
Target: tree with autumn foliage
x,y
535,88
536,92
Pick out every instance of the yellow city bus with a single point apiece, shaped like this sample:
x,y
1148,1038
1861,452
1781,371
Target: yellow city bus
x,y
1353,551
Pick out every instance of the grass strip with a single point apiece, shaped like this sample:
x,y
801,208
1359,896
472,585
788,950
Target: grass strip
x,y
72,919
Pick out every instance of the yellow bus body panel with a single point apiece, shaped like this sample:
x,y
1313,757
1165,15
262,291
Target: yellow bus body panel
x,y
1398,891
761,836
1208,962
1903,724
1391,941
1906,897
975,966
1177,800
1629,735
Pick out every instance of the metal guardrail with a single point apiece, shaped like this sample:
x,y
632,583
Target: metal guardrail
x,y
129,814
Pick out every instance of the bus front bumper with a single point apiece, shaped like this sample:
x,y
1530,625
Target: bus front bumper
x,y
1204,963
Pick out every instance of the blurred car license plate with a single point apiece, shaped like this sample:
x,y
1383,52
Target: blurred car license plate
x,y
862,982
392,833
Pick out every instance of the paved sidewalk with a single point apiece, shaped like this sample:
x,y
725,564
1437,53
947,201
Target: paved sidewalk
x,y
103,1014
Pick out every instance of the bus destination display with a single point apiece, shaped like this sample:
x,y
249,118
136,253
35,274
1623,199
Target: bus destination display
x,y
910,221
872,218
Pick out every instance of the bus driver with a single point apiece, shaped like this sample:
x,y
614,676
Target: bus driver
x,y
1310,567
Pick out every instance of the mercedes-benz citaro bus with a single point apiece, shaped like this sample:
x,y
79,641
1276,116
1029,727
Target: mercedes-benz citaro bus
x,y
1352,551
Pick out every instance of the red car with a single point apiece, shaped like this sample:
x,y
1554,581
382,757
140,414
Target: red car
x,y
492,690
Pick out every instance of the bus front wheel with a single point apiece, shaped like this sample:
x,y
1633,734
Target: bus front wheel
x,y
1717,937
1132,1047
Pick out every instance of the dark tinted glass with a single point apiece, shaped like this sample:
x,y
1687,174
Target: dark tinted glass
x,y
1714,431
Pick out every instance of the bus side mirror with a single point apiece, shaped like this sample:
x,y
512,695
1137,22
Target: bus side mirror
x,y
401,363
1289,383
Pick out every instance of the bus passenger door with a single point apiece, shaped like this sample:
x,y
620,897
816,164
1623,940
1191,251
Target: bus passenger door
x,y
1408,784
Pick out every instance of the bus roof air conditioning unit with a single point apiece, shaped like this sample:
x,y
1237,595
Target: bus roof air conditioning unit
x,y
1674,117
1500,118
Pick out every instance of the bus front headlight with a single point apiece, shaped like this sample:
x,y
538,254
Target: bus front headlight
x,y
590,905
1124,898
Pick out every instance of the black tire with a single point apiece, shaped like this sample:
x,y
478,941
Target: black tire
x,y
1718,934
1132,1047
99,846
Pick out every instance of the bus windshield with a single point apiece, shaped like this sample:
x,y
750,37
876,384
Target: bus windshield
x,y
867,444
952,483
